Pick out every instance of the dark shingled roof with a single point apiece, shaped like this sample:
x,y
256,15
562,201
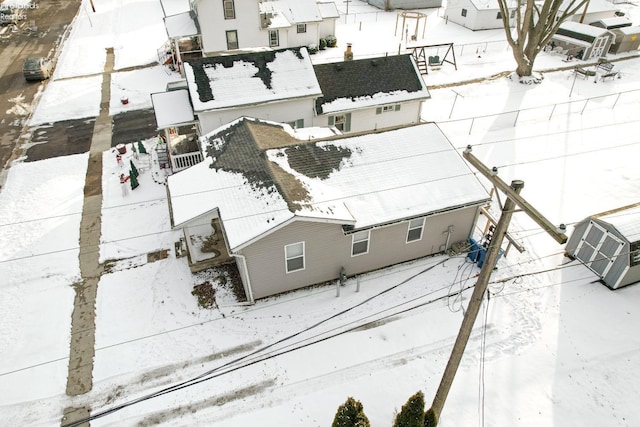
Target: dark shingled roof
x,y
261,59
366,77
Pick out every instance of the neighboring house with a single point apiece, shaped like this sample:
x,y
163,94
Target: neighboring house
x,y
593,10
293,210
184,41
478,14
276,85
609,245
582,40
228,25
284,86
404,4
368,94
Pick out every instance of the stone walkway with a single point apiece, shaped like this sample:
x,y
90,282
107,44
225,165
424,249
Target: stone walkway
x,y
82,349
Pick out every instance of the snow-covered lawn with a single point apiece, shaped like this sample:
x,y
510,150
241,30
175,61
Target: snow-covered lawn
x,y
551,346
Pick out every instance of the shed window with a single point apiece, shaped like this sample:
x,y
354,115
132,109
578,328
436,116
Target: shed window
x,y
302,28
499,15
635,254
274,38
232,39
360,243
294,256
229,9
414,232
464,12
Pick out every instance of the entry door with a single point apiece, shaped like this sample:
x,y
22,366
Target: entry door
x,y
598,47
598,249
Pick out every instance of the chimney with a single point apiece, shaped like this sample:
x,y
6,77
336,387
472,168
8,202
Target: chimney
x,y
348,54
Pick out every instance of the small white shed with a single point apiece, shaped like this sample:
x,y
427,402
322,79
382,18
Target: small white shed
x,y
609,245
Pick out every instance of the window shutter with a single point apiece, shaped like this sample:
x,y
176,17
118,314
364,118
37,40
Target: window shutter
x,y
347,125
331,120
397,107
379,110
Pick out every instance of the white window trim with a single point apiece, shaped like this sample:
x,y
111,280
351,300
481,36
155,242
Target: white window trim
x,y
286,258
353,242
277,33
409,229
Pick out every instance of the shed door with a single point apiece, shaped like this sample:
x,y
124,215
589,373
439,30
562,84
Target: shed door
x,y
598,47
598,249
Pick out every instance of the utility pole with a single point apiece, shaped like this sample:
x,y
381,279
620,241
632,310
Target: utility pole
x,y
512,201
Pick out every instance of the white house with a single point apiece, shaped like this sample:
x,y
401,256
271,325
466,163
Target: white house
x,y
478,14
294,209
276,85
228,25
368,94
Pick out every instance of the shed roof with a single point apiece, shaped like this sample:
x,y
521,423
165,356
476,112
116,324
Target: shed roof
x,y
362,83
626,220
580,31
229,81
259,176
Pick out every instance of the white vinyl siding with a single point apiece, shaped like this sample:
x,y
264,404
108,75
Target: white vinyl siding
x,y
414,231
360,243
294,257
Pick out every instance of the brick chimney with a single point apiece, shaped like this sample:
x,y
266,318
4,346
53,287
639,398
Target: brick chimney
x,y
348,54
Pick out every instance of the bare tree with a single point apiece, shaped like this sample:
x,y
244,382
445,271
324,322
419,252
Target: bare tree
x,y
535,24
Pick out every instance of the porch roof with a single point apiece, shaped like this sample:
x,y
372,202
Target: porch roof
x,y
172,108
181,25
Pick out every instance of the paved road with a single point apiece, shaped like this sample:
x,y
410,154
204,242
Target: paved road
x,y
51,18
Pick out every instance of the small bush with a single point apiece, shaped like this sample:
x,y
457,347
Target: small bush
x,y
312,48
322,44
412,413
350,414
430,419
331,41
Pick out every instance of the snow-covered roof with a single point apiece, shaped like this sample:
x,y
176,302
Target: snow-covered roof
x,y
361,181
172,108
328,10
364,83
180,25
579,28
616,21
593,6
626,221
629,30
249,78
285,13
487,4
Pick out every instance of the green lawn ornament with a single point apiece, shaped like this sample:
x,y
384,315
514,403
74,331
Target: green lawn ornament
x,y
133,180
141,148
134,170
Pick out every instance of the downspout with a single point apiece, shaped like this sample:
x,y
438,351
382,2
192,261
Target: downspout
x,y
250,299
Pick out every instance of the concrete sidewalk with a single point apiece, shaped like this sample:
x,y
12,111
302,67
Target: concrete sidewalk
x,y
82,348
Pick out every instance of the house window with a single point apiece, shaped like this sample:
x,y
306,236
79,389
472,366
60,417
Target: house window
x,y
302,28
414,232
274,38
342,122
360,243
388,109
499,15
464,12
229,9
294,257
512,14
297,124
232,39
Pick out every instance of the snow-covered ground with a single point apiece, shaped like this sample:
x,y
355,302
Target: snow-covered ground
x,y
551,347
